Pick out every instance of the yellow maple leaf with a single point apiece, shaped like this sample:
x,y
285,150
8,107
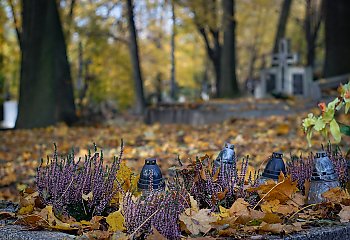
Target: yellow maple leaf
x,y
115,221
197,221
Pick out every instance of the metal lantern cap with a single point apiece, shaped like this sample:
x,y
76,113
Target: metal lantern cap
x,y
151,174
274,166
323,168
227,154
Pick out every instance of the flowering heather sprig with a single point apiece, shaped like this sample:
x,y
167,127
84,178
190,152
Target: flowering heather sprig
x,y
158,209
205,181
340,164
300,170
80,191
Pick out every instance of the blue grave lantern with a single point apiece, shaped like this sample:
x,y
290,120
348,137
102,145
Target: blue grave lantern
x,y
274,167
323,178
151,178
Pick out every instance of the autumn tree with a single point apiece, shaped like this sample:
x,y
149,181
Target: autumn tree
x,y
313,19
337,27
228,86
282,23
135,60
213,19
46,92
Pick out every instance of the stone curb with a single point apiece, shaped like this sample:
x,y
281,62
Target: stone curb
x,y
16,232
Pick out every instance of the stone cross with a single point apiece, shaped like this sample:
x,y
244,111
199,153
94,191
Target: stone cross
x,y
282,60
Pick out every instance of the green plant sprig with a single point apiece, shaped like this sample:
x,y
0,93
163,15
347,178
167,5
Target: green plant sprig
x,y
326,121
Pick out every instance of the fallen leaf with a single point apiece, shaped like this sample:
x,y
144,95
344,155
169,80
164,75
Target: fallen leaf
x,y
197,222
53,221
273,228
271,218
115,221
26,210
156,235
336,195
344,214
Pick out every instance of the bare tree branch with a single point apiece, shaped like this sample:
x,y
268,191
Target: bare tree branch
x,y
16,23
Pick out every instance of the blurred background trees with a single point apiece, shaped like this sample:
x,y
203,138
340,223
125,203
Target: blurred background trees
x,y
183,47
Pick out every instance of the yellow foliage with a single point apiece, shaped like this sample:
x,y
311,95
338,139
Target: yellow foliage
x,y
115,221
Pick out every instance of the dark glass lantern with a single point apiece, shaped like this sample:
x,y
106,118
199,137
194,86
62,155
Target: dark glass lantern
x,y
323,178
151,178
274,167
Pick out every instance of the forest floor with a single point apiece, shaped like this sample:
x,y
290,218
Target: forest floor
x,y
21,150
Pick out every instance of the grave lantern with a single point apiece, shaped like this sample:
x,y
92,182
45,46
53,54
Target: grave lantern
x,y
151,178
273,168
226,156
323,178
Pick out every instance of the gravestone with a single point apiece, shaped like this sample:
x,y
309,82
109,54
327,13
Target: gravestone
x,y
10,114
284,78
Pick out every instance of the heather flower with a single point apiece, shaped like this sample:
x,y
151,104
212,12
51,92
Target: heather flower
x,y
340,164
158,209
300,169
214,185
79,190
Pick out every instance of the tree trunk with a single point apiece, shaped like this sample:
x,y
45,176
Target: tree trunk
x,y
337,26
282,23
228,86
313,19
172,77
135,60
46,91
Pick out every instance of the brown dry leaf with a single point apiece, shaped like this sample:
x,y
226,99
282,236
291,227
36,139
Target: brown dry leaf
x,y
282,191
239,207
197,221
98,234
336,195
270,206
273,228
221,195
54,222
344,214
156,235
227,232
33,221
271,218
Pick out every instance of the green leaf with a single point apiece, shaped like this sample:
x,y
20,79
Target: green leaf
x,y
347,107
319,124
344,129
309,136
335,130
328,115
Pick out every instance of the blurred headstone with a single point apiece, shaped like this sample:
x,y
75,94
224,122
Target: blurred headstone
x,y
284,78
10,114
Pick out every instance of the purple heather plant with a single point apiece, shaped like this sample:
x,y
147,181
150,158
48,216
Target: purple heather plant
x,y
79,190
158,209
300,170
340,164
205,181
